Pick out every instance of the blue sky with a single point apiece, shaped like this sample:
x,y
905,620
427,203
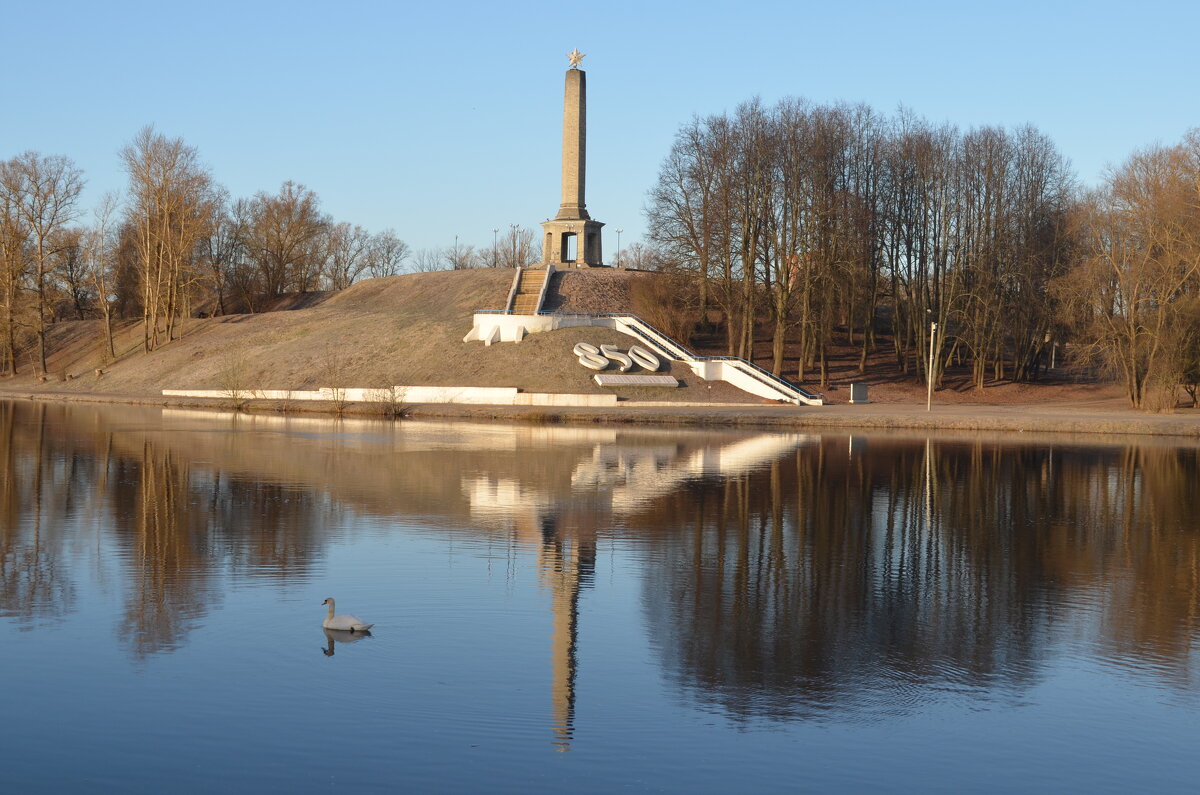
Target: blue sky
x,y
443,119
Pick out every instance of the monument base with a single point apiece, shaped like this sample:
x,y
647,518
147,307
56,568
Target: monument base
x,y
572,243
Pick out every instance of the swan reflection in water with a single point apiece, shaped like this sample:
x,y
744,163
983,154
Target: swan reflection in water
x,y
333,636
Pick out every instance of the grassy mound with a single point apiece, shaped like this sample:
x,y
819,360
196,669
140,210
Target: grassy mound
x,y
404,330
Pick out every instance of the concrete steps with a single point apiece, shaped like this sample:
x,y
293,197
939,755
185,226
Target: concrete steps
x,y
527,297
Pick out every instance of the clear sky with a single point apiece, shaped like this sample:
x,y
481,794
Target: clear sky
x,y
444,118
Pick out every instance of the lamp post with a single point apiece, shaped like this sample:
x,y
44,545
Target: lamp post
x,y
514,263
495,246
619,231
929,372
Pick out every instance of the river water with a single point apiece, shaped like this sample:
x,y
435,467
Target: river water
x,y
589,609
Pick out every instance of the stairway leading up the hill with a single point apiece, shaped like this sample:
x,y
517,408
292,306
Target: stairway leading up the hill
x,y
528,291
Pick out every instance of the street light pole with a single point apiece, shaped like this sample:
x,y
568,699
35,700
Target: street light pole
x,y
619,231
495,246
929,372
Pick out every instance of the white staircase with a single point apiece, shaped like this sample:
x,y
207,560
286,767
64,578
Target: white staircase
x,y
743,374
503,326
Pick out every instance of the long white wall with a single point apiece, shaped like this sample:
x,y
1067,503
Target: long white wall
x,y
492,396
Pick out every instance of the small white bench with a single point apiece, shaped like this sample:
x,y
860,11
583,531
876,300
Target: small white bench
x,y
612,379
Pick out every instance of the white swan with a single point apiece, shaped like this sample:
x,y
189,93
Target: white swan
x,y
344,622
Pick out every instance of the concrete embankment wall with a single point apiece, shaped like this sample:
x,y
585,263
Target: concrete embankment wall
x,y
493,396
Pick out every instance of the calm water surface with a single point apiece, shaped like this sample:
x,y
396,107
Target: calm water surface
x,y
589,609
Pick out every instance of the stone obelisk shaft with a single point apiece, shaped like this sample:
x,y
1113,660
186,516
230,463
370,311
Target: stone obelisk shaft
x,y
572,238
574,149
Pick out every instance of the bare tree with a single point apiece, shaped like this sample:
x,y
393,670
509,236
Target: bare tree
x,y
171,208
69,269
221,253
284,239
427,260
1140,238
517,248
100,262
641,257
347,254
460,257
46,189
14,259
386,254
690,213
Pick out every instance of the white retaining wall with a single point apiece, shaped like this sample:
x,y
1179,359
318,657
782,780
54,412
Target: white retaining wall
x,y
492,396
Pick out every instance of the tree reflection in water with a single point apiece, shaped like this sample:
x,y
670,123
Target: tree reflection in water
x,y
34,585
862,580
175,524
784,576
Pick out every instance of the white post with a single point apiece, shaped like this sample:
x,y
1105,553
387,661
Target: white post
x,y
929,372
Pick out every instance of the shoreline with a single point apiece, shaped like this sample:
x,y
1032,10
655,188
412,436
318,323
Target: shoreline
x,y
1060,418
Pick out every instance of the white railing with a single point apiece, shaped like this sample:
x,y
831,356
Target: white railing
x,y
545,286
512,291
772,385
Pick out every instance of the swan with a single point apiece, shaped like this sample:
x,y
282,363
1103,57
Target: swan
x,y
344,622
341,636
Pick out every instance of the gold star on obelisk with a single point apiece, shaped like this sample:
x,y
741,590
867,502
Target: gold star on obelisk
x,y
575,56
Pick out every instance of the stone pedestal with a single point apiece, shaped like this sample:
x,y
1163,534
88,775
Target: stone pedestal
x,y
559,237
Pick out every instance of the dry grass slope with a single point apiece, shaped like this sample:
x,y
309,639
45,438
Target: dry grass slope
x,y
380,332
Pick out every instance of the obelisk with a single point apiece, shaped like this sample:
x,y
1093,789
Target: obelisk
x,y
572,238
574,147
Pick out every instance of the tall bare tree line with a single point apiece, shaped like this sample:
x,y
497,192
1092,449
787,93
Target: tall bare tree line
x,y
1135,292
818,224
38,197
515,247
815,217
175,244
